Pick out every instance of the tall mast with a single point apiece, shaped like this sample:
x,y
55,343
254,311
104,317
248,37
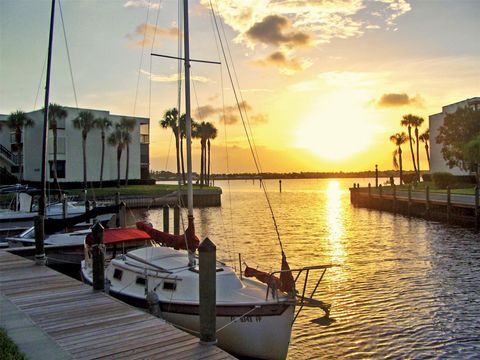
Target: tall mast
x,y
39,238
188,120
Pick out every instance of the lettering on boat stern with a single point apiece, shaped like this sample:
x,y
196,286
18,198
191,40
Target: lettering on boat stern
x,y
247,319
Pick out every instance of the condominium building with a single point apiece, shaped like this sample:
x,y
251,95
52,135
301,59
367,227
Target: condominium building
x,y
437,162
69,149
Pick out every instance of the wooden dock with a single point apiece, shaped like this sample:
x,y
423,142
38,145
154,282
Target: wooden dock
x,y
463,210
73,321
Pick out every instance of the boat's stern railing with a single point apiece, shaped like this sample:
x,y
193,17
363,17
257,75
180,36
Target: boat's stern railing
x,y
306,298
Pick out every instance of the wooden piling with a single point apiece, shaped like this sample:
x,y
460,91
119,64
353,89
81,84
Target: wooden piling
x,y
369,190
98,258
449,204
427,202
39,224
477,210
409,206
122,215
176,219
166,218
87,208
380,187
280,185
376,176
394,203
207,291
64,206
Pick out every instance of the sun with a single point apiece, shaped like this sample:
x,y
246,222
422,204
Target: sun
x,y
336,129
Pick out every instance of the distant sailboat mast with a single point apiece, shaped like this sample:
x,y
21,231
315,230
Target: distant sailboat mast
x,y
39,233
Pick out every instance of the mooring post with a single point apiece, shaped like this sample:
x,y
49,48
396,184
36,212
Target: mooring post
x,y
477,210
449,204
352,194
176,220
166,218
394,189
280,185
98,266
207,288
117,202
409,206
39,236
87,209
427,201
369,190
64,206
380,190
123,215
376,175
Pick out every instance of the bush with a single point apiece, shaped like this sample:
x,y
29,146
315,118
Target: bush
x,y
443,179
409,178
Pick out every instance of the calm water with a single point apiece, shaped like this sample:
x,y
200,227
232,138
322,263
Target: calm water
x,y
406,288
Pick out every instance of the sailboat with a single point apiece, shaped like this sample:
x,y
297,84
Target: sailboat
x,y
255,310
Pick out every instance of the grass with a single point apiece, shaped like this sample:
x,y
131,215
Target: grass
x,y
422,186
8,349
140,190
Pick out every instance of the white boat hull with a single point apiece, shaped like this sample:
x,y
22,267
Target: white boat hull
x,y
263,337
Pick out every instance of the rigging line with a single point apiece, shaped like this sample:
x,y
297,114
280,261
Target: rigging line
x,y
230,243
247,135
150,69
179,98
168,152
141,60
68,54
241,95
40,82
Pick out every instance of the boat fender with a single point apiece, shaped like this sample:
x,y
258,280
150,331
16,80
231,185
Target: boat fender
x,y
153,303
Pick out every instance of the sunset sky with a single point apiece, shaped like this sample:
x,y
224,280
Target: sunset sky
x,y
325,82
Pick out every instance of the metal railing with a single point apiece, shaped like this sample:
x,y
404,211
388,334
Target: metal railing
x,y
8,154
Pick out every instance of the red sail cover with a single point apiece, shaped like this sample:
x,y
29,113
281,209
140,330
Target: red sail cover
x,y
286,283
111,236
175,241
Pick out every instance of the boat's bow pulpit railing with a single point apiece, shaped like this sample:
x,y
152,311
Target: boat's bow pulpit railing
x,y
307,296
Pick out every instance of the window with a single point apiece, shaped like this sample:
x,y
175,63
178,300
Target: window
x,y
168,285
144,133
140,281
60,124
60,145
60,169
117,274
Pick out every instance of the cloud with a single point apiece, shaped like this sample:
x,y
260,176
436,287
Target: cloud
x,y
397,100
319,21
286,65
141,4
146,34
173,77
275,30
229,114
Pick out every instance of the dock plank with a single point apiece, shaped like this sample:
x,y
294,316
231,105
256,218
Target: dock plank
x,y
92,325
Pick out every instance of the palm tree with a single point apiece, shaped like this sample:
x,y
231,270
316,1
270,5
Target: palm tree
x,y
116,139
212,135
17,121
170,120
204,131
55,112
415,121
398,139
183,135
85,122
425,138
103,124
127,125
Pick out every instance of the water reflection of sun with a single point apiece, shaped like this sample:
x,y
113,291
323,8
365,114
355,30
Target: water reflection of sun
x,y
334,221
